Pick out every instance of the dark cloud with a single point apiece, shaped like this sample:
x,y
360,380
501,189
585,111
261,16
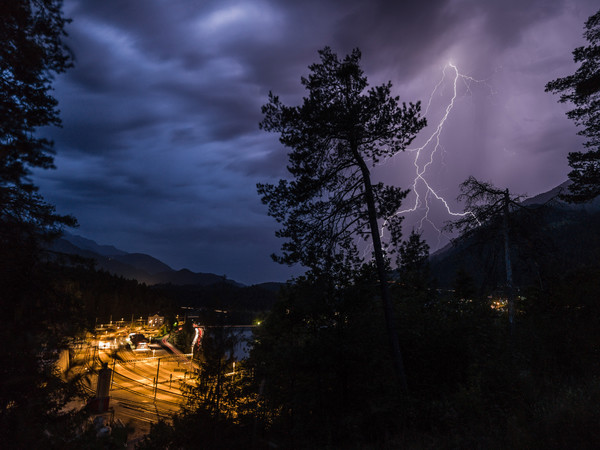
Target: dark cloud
x,y
161,152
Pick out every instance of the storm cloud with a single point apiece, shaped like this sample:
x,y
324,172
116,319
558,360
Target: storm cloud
x,y
160,149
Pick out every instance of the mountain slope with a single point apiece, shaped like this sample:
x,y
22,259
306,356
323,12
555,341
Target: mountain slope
x,y
138,266
547,238
143,262
88,244
552,196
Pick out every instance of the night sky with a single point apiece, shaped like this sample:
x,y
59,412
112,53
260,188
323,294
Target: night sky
x,y
160,149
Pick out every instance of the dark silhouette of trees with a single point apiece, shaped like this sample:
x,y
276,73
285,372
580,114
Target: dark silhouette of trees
x,y
321,359
335,135
489,206
582,89
218,408
320,374
36,315
31,52
413,262
463,285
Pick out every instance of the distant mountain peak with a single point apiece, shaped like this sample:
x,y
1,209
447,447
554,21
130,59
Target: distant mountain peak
x,y
560,235
553,196
88,244
550,195
138,266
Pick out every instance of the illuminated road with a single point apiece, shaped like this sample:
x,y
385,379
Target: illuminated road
x,y
146,385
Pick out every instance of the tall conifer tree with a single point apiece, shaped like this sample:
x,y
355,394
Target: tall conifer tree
x,y
336,135
582,89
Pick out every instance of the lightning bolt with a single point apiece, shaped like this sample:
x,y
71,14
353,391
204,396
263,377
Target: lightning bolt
x,y
424,156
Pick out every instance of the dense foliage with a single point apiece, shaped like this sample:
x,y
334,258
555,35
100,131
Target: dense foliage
x,y
546,240
37,317
341,130
102,296
334,136
582,89
241,302
319,375
32,51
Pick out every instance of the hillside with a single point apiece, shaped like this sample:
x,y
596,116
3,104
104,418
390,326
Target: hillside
x,y
135,266
548,236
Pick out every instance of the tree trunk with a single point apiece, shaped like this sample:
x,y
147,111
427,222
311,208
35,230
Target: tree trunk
x,y
509,277
381,272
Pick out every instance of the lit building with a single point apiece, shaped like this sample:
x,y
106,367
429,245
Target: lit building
x,y
156,320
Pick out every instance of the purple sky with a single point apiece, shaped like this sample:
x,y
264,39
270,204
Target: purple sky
x,y
160,149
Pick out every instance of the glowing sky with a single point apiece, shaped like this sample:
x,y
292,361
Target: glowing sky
x,y
160,149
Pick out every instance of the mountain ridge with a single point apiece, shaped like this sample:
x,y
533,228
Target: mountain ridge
x,y
548,236
548,197
138,266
